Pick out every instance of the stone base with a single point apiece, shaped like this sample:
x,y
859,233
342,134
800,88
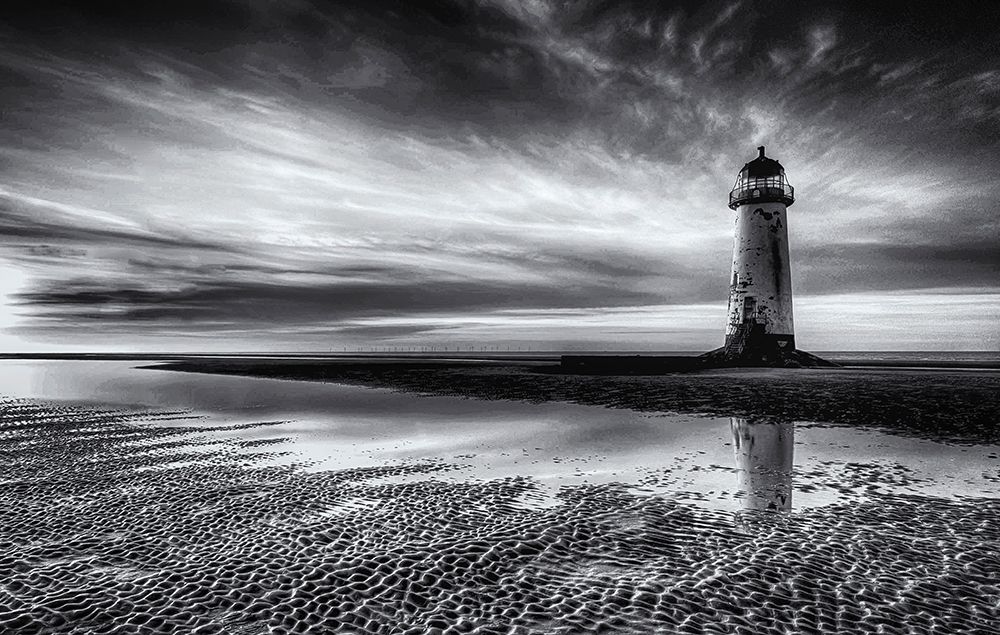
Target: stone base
x,y
794,358
665,364
752,343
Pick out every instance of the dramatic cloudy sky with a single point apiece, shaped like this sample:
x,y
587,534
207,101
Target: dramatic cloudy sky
x,y
307,176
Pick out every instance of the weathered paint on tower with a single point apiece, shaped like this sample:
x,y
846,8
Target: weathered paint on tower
x,y
762,283
759,325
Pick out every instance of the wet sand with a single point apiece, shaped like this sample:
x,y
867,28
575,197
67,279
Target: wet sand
x,y
121,521
942,404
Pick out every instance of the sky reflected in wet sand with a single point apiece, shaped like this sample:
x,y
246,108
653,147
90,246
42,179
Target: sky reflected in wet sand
x,y
330,426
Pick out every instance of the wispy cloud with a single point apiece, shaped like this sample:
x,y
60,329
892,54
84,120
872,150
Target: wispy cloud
x,y
477,165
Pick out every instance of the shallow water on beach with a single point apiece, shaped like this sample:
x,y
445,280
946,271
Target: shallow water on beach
x,y
322,426
142,501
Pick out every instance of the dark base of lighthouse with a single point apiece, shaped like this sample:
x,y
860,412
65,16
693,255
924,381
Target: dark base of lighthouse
x,y
664,364
751,346
793,358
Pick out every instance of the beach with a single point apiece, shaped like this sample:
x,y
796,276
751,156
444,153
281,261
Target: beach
x,y
292,497
933,402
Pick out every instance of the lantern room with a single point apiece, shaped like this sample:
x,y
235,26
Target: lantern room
x,y
761,181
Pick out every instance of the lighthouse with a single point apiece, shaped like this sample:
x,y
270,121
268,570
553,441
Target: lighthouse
x,y
759,326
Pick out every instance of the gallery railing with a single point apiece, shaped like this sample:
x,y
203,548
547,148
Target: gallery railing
x,y
771,192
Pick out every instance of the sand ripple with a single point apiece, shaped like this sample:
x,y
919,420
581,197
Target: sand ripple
x,y
115,524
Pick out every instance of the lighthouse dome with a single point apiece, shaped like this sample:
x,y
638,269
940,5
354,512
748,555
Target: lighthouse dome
x,y
762,167
761,181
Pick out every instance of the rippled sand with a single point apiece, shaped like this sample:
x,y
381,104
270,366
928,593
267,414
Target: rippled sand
x,y
119,521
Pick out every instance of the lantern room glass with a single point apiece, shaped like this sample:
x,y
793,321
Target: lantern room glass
x,y
761,189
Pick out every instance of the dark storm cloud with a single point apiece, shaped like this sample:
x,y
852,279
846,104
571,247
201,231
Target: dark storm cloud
x,y
507,68
423,61
255,303
643,76
838,268
23,224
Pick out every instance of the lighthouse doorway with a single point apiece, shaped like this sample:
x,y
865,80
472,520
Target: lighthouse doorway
x,y
749,309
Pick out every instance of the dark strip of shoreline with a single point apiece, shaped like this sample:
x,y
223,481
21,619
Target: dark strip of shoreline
x,y
521,358
940,404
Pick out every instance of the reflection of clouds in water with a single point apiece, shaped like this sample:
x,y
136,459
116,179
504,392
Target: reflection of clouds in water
x,y
681,457
764,458
337,426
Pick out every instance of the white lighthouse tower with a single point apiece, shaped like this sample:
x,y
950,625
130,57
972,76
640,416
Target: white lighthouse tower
x,y
759,328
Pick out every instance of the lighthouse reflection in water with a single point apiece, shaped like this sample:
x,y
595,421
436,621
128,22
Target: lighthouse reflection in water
x,y
764,453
